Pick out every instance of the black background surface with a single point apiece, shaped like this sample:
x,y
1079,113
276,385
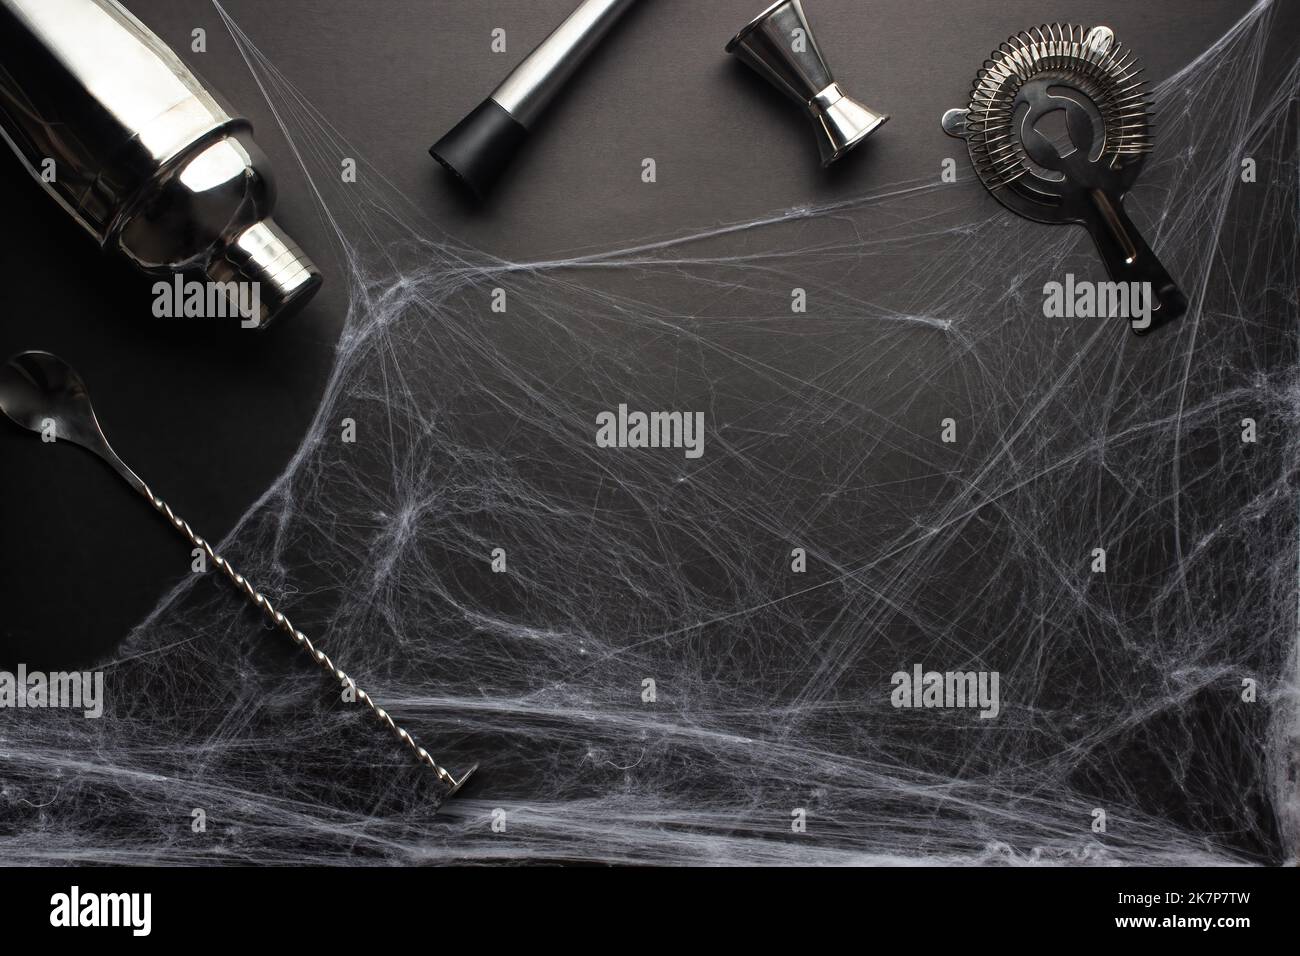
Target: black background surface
x,y
210,415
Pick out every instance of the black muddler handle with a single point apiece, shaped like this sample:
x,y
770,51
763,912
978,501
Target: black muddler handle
x,y
479,148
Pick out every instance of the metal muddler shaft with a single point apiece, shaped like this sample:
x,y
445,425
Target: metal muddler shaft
x,y
479,147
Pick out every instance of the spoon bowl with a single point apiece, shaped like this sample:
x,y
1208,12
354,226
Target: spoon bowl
x,y
41,392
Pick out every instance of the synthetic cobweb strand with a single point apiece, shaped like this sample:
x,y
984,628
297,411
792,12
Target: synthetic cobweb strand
x,y
475,431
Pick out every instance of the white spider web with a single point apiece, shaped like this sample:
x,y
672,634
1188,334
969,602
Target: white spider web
x,y
475,430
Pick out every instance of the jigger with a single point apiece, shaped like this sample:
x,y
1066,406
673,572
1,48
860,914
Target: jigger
x,y
779,44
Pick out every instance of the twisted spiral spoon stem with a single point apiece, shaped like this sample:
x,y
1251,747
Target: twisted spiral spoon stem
x,y
42,393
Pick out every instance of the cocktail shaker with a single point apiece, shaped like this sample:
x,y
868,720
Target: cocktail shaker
x,y
134,147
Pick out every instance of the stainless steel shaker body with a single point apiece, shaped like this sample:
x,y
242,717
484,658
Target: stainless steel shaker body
x,y
115,127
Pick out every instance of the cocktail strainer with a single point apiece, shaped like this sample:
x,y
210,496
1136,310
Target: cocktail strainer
x,y
1088,80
